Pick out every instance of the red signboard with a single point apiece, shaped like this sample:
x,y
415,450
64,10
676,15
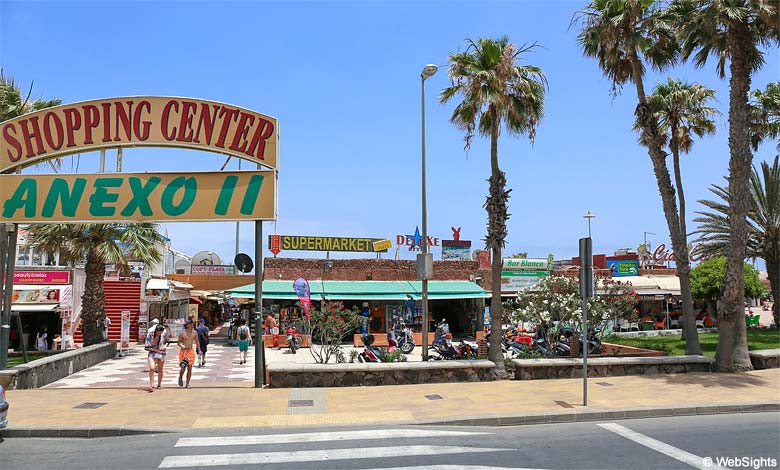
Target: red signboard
x,y
41,277
276,244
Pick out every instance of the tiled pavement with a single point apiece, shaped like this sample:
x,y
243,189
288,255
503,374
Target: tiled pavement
x,y
131,371
213,407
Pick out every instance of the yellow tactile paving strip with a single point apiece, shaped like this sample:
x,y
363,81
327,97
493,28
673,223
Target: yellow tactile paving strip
x,y
223,407
296,420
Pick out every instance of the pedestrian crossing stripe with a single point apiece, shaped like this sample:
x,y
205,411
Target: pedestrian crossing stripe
x,y
265,458
319,437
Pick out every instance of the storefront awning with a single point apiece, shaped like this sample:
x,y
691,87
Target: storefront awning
x,y
34,307
366,290
157,284
651,285
195,300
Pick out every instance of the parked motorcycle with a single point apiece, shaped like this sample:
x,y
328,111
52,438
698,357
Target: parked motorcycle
x,y
293,339
444,347
404,337
372,353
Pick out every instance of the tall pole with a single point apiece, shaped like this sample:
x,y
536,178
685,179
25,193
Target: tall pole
x,y
424,231
237,222
10,231
259,343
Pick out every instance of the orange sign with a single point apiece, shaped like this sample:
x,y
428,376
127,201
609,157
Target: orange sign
x,y
156,121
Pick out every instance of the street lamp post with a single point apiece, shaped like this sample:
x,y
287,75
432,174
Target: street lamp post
x,y
427,72
589,216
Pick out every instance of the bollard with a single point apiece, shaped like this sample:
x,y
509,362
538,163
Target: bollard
x,y
482,349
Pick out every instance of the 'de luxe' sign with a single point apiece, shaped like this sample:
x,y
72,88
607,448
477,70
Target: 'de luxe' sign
x,y
157,121
125,197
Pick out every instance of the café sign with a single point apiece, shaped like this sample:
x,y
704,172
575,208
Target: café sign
x,y
126,197
534,264
155,121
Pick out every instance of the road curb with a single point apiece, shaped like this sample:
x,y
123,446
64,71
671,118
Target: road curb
x,y
81,432
606,414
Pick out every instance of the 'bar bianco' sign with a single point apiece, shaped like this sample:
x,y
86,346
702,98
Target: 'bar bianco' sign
x,y
126,197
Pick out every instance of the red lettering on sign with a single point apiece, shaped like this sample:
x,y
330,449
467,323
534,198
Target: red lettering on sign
x,y
142,136
164,120
107,124
264,130
185,127
72,124
241,133
400,240
91,121
13,141
47,127
227,115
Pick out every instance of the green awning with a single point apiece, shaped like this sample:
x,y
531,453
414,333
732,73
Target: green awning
x,y
366,290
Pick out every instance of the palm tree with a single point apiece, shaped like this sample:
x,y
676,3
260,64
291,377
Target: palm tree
x,y
624,36
682,112
734,31
13,103
766,114
98,244
763,221
496,91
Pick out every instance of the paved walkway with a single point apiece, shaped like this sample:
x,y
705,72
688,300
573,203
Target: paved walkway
x,y
222,367
206,406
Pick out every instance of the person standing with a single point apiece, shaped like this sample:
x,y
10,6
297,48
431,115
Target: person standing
x,y
188,343
106,324
244,341
156,345
42,340
203,340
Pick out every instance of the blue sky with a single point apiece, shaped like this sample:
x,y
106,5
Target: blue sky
x,y
343,78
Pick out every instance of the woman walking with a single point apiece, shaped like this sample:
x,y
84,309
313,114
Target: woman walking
x,y
156,344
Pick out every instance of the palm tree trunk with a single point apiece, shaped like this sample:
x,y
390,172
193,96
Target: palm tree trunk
x,y
496,206
690,334
94,299
734,342
649,125
773,273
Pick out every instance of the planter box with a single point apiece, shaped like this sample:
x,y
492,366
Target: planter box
x,y
565,368
281,375
44,371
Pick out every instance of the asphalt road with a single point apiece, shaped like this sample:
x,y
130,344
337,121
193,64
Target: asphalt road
x,y
657,443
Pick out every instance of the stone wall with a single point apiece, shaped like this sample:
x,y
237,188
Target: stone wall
x,y
44,371
370,270
765,359
566,368
396,373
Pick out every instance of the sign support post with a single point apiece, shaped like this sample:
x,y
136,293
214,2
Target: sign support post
x,y
10,231
259,340
586,291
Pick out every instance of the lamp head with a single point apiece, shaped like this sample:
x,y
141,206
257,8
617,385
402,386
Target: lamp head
x,y
589,215
429,71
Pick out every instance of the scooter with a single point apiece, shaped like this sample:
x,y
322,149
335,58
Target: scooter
x,y
370,353
293,339
403,337
442,343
